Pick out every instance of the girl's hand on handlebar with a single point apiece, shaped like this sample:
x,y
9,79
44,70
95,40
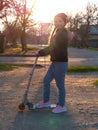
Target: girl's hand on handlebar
x,y
37,54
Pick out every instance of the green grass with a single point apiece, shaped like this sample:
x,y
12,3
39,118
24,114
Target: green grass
x,y
32,48
18,50
96,83
82,68
93,48
7,67
18,47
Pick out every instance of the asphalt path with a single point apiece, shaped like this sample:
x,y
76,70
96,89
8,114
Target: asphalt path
x,y
76,57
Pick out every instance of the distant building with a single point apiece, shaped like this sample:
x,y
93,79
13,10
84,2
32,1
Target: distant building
x,y
92,34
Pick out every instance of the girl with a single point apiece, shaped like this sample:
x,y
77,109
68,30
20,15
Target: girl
x,y
58,68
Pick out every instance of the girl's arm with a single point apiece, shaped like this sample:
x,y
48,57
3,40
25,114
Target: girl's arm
x,y
70,36
44,52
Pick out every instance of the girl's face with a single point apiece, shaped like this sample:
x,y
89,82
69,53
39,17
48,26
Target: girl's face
x,y
59,23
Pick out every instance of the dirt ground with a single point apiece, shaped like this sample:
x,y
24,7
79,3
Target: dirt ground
x,y
81,101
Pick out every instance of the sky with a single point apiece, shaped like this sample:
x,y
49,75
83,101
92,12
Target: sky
x,y
45,10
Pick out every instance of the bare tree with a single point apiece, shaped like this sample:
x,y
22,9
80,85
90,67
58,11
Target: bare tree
x,y
10,22
3,4
81,22
12,33
89,18
17,15
76,21
24,17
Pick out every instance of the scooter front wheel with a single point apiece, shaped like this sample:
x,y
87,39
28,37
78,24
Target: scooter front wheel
x,y
21,107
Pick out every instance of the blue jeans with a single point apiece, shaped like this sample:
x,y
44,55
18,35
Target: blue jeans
x,y
57,71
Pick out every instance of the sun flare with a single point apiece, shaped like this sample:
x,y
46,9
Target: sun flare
x,y
45,10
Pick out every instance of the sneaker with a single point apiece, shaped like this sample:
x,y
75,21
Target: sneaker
x,y
59,109
41,104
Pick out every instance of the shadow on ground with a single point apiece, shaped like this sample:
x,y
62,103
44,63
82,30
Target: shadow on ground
x,y
43,118
79,116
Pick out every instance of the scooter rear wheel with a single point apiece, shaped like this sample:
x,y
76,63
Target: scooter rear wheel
x,y
30,106
21,107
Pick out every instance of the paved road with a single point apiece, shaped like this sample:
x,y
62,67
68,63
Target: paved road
x,y
83,57
82,96
76,57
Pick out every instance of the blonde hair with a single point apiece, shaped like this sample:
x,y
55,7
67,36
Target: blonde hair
x,y
51,35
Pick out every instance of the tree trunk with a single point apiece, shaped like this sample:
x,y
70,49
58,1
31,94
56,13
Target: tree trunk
x,y
23,42
2,43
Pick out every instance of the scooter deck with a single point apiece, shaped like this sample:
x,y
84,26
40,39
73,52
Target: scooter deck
x,y
50,107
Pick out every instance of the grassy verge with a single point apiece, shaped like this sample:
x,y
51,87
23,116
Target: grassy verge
x,y
92,48
82,68
7,67
18,50
96,83
29,48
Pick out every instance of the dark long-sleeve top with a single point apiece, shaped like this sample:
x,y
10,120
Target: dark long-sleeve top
x,y
58,47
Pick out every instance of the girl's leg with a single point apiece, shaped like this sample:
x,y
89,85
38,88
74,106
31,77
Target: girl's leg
x,y
60,70
47,79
